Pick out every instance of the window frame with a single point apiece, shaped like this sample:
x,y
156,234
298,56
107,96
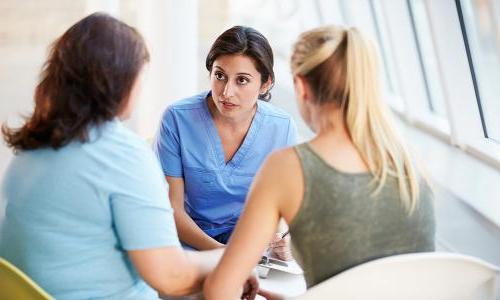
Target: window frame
x,y
465,115
466,157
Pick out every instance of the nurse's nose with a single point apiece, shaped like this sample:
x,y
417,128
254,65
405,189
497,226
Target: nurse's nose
x,y
228,90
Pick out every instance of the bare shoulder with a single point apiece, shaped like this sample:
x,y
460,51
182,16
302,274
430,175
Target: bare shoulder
x,y
284,159
282,165
282,173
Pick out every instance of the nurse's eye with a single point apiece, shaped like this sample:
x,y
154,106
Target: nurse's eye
x,y
220,76
242,80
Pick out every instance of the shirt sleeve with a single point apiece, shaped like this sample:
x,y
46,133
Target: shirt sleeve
x,y
291,139
167,146
142,214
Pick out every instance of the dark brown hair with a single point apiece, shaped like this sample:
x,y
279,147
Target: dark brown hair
x,y
249,42
85,82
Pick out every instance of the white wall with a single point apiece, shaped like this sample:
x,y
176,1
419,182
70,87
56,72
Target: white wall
x,y
171,32
27,28
169,27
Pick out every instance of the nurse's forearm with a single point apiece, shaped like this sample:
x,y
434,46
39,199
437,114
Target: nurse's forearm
x,y
191,234
188,230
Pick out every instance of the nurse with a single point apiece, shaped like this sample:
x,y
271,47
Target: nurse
x,y
211,145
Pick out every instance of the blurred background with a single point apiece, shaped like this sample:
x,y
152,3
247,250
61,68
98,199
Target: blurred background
x,y
441,68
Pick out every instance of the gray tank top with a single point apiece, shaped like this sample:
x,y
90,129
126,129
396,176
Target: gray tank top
x,y
340,225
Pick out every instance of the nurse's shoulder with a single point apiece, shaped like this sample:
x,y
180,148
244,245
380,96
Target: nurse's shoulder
x,y
184,108
278,121
268,109
193,102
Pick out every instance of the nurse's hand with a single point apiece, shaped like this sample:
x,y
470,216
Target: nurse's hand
x,y
280,247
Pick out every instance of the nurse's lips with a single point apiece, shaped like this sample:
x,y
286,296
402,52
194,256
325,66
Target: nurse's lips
x,y
228,105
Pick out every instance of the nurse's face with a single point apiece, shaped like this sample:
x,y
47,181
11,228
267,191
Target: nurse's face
x,y
236,85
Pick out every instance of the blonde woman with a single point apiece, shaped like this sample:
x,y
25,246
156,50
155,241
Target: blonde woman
x,y
352,193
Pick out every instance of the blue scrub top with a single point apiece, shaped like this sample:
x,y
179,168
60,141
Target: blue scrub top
x,y
188,146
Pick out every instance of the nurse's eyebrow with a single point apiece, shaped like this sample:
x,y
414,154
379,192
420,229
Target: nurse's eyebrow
x,y
240,73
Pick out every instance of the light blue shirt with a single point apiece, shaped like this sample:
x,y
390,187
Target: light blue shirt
x,y
188,146
72,213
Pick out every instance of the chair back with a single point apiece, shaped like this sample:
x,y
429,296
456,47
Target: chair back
x,y
14,284
431,276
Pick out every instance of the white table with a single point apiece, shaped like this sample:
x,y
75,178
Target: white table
x,y
283,283
286,284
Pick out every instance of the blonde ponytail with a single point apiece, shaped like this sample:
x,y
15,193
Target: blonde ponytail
x,y
341,66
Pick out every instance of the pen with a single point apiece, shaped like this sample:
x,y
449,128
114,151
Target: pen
x,y
284,234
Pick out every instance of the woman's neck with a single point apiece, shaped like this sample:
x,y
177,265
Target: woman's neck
x,y
329,121
333,141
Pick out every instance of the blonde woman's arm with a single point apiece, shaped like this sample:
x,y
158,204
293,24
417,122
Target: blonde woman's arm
x,y
275,192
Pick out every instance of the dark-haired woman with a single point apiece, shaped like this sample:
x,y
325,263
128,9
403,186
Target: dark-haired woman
x,y
86,215
211,145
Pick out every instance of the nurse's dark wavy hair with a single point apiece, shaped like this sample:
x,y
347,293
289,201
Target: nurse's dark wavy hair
x,y
86,81
249,42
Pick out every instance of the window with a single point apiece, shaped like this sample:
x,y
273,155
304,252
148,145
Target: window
x,y
331,11
387,55
480,29
427,56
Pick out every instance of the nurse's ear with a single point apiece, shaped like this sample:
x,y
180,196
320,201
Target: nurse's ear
x,y
266,86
